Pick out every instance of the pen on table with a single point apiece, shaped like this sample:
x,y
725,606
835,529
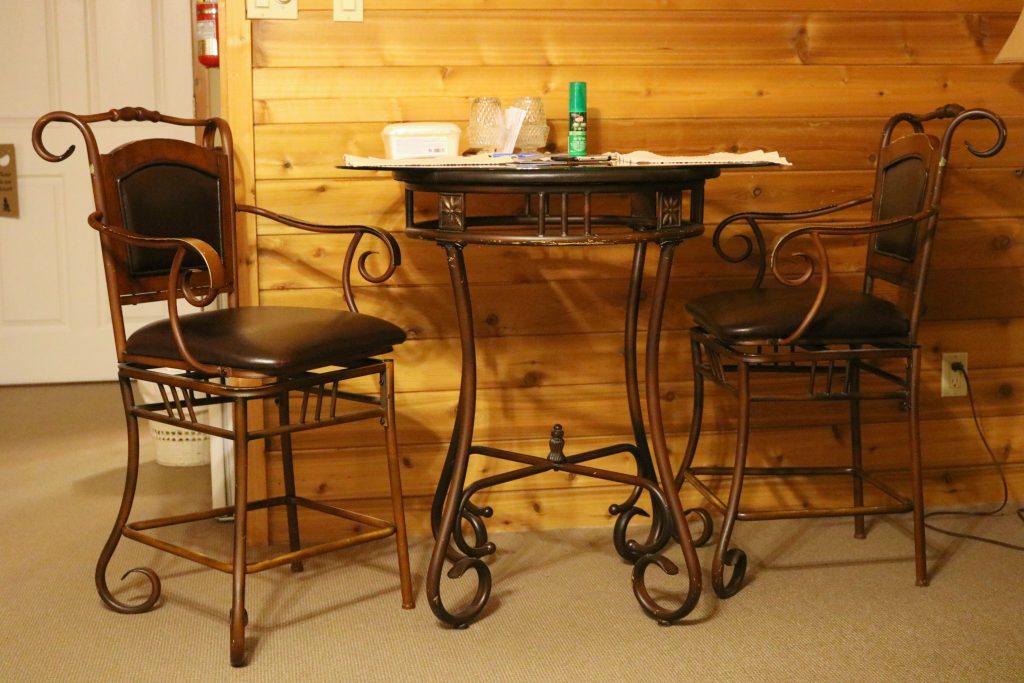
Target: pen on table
x,y
517,156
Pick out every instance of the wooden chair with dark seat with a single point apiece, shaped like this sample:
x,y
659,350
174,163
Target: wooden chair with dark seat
x,y
166,216
833,338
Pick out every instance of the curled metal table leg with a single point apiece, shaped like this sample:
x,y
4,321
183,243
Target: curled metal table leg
x,y
665,475
459,457
627,510
445,478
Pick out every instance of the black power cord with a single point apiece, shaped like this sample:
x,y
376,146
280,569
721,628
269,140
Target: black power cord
x,y
958,367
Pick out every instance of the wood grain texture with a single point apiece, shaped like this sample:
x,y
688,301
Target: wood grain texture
x,y
642,39
814,79
235,40
656,92
555,508
898,6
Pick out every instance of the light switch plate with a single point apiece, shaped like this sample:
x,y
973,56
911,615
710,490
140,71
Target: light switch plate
x,y
272,9
348,10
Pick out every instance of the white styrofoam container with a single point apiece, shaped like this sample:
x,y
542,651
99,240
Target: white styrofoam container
x,y
421,139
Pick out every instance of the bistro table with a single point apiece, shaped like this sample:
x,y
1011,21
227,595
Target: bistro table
x,y
558,210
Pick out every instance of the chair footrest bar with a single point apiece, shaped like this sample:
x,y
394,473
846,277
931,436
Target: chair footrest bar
x,y
382,529
804,513
320,549
777,471
901,504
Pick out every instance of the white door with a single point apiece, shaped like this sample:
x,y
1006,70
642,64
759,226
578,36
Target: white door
x,y
83,56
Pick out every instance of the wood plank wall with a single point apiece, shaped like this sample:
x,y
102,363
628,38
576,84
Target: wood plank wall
x,y
813,79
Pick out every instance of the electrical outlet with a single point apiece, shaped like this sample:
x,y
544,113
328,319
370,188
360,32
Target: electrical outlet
x,y
953,383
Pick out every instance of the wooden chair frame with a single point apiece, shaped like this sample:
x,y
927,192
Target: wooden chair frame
x,y
199,272
833,367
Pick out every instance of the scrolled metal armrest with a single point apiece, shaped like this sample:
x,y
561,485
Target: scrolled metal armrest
x,y
178,279
752,219
816,232
394,253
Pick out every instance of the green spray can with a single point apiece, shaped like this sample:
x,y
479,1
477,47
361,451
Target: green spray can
x,y
577,118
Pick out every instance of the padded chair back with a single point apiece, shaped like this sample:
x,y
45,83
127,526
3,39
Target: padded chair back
x,y
905,184
165,188
157,188
903,187
909,180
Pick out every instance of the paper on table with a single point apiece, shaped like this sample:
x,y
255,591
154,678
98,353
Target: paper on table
x,y
631,159
758,156
512,123
353,161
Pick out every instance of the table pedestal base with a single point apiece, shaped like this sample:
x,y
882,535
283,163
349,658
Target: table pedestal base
x,y
453,507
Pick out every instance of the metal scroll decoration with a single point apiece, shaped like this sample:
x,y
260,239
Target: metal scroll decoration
x,y
391,250
131,480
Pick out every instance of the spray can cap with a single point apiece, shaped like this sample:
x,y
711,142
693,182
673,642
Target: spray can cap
x,y
578,96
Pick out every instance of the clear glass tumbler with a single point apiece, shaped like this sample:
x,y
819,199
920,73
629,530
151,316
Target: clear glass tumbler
x,y
485,124
534,133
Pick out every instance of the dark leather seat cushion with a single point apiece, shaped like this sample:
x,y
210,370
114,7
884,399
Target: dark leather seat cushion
x,y
275,340
752,314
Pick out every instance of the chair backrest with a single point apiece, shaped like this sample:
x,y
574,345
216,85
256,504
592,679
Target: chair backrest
x,y
905,179
157,188
909,178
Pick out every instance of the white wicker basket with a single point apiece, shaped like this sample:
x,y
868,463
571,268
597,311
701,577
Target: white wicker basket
x,y
175,446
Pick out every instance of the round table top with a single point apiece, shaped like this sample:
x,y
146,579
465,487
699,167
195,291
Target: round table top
x,y
553,176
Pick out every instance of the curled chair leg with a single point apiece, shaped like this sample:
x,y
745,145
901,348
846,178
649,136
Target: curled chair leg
x,y
724,555
920,560
131,479
238,616
287,465
395,479
696,422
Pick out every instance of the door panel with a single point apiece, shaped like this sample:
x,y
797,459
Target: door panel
x,y
83,56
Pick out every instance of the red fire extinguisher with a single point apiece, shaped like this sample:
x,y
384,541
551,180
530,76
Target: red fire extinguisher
x,y
206,33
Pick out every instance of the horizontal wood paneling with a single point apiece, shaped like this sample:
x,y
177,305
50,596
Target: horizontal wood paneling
x,y
509,413
303,260
951,442
657,92
312,261
526,363
814,79
301,151
821,144
556,508
595,305
690,5
641,39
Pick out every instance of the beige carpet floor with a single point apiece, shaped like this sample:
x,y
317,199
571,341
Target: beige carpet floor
x,y
819,605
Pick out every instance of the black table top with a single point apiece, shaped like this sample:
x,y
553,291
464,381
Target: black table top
x,y
554,175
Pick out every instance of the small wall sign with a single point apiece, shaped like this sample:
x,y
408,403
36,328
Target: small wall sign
x,y
8,182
